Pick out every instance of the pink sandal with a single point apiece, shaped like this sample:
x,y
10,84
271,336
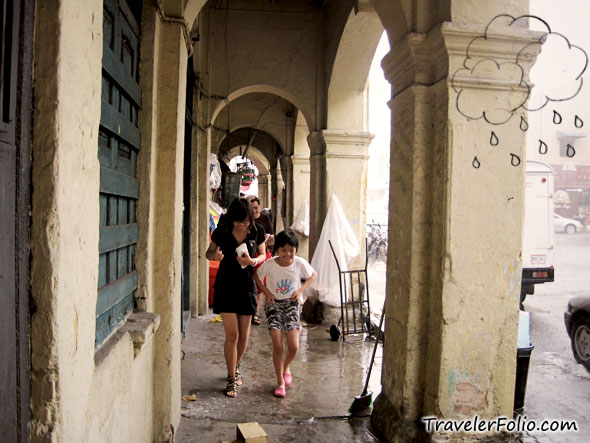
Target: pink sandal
x,y
280,392
288,379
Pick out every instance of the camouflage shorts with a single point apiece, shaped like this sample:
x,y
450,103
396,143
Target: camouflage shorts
x,y
283,314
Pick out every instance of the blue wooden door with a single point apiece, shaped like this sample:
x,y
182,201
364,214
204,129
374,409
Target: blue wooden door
x,y
118,146
16,61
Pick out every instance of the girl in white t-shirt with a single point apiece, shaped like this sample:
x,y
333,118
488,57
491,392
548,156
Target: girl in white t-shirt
x,y
283,291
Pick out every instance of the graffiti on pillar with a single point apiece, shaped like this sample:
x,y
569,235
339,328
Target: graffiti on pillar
x,y
512,91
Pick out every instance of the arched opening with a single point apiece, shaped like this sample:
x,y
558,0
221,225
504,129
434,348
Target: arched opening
x,y
269,120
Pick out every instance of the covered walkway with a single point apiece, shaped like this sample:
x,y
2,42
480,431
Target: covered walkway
x,y
327,377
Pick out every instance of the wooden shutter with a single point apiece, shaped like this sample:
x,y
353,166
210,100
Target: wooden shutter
x,y
118,145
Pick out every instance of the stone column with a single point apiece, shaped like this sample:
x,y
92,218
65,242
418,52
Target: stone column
x,y
263,194
171,90
456,206
317,187
300,194
346,175
202,191
287,175
277,185
339,163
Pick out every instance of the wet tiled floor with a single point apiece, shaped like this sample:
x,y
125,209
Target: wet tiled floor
x,y
328,376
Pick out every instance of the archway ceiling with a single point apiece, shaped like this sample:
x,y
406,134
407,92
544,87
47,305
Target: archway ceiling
x,y
350,70
262,112
263,142
259,159
283,47
266,59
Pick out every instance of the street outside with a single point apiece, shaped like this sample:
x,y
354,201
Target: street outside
x,y
558,388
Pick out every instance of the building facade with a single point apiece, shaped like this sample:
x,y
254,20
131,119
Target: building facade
x,y
116,110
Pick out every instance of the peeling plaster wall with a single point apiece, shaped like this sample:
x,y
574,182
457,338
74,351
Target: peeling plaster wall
x,y
77,394
481,288
68,49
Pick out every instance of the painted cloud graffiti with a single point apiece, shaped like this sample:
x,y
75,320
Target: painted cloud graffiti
x,y
504,104
502,86
566,78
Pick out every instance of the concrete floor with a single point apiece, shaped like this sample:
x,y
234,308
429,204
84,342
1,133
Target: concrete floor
x,y
328,376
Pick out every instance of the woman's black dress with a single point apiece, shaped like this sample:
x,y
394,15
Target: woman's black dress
x,y
235,289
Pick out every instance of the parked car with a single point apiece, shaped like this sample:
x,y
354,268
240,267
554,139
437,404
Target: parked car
x,y
577,325
568,225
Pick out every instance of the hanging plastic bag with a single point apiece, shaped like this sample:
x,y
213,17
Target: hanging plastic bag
x,y
338,231
301,222
214,172
215,212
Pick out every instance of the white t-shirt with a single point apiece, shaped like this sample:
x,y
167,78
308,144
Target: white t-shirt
x,y
282,281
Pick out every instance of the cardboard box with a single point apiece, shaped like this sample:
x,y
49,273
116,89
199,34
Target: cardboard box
x,y
249,433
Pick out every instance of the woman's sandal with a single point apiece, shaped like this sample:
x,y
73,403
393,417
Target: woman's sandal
x,y
238,376
231,388
256,320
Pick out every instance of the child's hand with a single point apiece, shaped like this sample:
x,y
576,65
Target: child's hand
x,y
297,295
269,298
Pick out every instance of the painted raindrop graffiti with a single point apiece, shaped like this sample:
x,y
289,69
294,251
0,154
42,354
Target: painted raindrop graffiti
x,y
543,147
561,81
494,139
570,151
514,160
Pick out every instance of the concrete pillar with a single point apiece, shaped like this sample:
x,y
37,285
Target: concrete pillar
x,y
286,168
64,221
317,187
171,90
263,191
301,177
341,170
202,193
346,175
277,186
300,194
455,225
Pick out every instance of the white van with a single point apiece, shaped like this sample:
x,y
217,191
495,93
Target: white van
x,y
537,237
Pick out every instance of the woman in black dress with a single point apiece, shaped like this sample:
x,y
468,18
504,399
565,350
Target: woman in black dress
x,y
235,291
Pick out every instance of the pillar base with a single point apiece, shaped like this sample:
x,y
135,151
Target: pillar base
x,y
388,420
